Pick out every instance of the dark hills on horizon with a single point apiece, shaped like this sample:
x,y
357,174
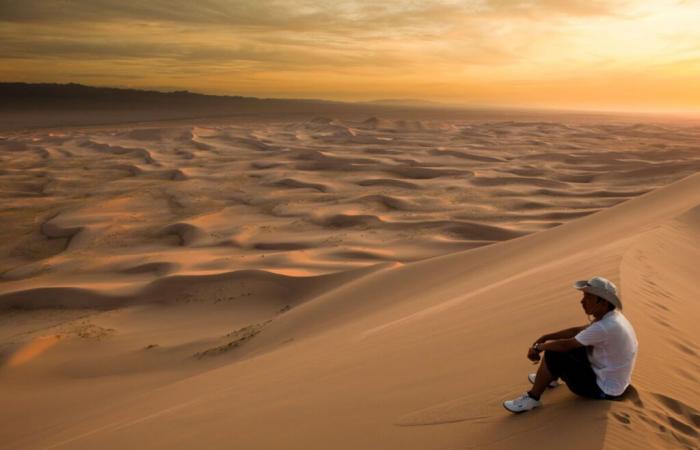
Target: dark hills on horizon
x,y
72,95
41,105
38,105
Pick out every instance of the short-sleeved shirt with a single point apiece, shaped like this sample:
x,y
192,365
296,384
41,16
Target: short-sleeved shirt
x,y
612,351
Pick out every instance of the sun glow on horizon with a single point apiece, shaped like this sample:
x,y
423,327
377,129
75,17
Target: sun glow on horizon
x,y
543,53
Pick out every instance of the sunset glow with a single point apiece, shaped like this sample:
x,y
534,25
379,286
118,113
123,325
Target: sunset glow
x,y
540,53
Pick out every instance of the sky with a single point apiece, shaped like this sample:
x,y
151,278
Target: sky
x,y
573,54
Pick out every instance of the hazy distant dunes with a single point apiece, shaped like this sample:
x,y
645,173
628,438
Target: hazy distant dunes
x,y
305,197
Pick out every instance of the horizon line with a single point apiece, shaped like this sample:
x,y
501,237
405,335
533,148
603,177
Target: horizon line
x,y
412,102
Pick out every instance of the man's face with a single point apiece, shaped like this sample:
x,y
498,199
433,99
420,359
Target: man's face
x,y
589,303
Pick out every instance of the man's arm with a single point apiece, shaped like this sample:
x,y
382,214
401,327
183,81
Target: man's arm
x,y
560,345
561,341
563,334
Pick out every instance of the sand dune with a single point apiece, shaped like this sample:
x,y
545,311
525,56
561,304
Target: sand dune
x,y
339,282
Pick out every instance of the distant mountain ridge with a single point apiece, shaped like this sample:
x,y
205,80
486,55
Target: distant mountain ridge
x,y
42,105
407,102
72,95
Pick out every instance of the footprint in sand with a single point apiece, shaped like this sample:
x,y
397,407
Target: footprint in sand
x,y
672,420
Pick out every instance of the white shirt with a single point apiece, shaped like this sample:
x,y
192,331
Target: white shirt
x,y
614,351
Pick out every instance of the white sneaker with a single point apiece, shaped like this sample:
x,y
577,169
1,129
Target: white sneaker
x,y
521,404
552,384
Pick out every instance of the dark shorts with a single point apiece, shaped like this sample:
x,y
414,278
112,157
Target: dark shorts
x,y
575,370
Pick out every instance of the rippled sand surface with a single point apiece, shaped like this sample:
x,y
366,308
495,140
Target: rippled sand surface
x,y
137,203
339,284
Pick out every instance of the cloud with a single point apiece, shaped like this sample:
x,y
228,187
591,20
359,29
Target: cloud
x,y
264,52
464,31
344,48
548,8
268,35
291,14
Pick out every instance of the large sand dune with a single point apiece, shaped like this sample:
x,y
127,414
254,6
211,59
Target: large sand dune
x,y
335,283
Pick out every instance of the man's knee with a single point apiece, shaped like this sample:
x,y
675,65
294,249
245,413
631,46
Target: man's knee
x,y
553,361
550,356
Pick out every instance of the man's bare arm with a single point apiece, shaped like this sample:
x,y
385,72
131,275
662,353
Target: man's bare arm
x,y
561,341
563,334
560,345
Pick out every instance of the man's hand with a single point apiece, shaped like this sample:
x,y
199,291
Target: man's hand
x,y
533,355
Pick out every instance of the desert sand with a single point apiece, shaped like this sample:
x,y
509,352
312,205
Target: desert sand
x,y
340,283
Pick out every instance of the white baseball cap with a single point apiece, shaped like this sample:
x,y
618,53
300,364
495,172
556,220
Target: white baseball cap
x,y
602,287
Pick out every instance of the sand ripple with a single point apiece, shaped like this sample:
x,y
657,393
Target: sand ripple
x,y
135,204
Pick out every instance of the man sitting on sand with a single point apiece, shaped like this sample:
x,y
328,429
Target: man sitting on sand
x,y
595,360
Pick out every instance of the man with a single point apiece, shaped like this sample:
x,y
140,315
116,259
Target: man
x,y
594,361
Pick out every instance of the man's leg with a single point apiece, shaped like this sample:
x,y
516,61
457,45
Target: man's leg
x,y
542,380
531,399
